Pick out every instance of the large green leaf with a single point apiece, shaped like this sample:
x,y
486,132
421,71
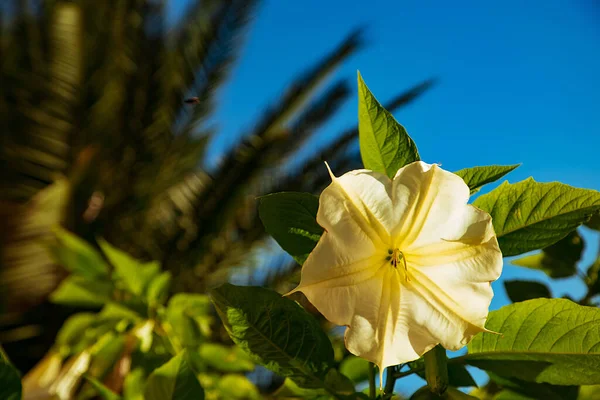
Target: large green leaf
x,y
558,260
476,177
276,332
529,215
544,340
78,256
518,290
10,379
290,218
174,380
384,144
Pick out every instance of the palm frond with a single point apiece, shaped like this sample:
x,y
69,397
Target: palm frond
x,y
218,53
43,108
244,163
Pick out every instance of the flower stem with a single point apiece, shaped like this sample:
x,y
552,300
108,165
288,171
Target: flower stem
x,y
372,389
390,380
436,369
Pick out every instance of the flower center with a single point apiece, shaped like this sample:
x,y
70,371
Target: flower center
x,y
397,259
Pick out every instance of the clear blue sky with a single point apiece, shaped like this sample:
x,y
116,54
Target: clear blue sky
x,y
518,82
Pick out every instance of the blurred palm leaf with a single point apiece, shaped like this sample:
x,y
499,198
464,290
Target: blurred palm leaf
x,y
112,75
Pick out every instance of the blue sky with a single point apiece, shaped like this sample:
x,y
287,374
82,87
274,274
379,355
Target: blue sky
x,y
518,83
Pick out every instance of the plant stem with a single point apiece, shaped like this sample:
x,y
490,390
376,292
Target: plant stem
x,y
436,370
372,390
390,380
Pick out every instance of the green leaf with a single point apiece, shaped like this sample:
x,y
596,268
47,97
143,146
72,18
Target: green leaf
x,y
80,292
544,340
451,394
105,354
525,290
225,358
384,144
104,392
557,261
529,215
290,218
189,318
594,222
276,332
78,256
174,380
10,379
589,392
477,177
158,290
135,275
593,273
73,330
337,381
237,387
532,390
133,385
355,368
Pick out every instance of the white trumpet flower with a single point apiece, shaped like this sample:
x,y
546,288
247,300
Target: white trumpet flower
x,y
405,264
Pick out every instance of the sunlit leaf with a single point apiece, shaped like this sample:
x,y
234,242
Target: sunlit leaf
x,y
530,215
544,340
384,144
477,177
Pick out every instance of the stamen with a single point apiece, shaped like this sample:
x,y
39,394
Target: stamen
x,y
395,259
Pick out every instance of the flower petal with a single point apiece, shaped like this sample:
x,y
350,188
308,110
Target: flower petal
x,y
425,198
364,196
452,311
385,333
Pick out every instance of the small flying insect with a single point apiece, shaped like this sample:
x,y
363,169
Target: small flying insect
x,y
192,100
